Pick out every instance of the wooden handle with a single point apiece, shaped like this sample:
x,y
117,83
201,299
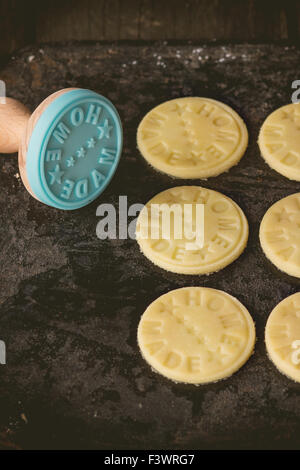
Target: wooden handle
x,y
14,117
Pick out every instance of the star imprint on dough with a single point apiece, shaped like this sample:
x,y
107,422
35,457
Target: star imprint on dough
x,y
283,215
288,115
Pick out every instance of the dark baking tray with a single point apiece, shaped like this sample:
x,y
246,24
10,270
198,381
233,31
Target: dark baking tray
x,y
71,303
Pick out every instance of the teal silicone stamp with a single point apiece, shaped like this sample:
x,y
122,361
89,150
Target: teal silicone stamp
x,y
70,147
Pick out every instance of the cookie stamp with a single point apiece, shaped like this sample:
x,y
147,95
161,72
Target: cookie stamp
x,y
279,141
196,335
192,137
282,336
70,148
279,234
225,232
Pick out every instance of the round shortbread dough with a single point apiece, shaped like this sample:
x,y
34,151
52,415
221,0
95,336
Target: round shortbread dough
x,y
279,141
192,137
282,336
225,231
196,335
279,234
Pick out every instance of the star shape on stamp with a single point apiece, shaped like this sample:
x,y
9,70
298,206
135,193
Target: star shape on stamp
x,y
70,162
91,143
81,152
56,175
104,130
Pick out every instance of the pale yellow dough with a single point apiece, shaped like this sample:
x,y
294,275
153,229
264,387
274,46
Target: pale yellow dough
x,y
280,234
192,137
225,232
282,336
196,335
279,141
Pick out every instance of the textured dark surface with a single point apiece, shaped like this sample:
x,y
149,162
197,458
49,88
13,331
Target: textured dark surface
x,y
70,303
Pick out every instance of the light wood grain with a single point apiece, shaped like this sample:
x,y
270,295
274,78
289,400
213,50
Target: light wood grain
x,y
13,119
